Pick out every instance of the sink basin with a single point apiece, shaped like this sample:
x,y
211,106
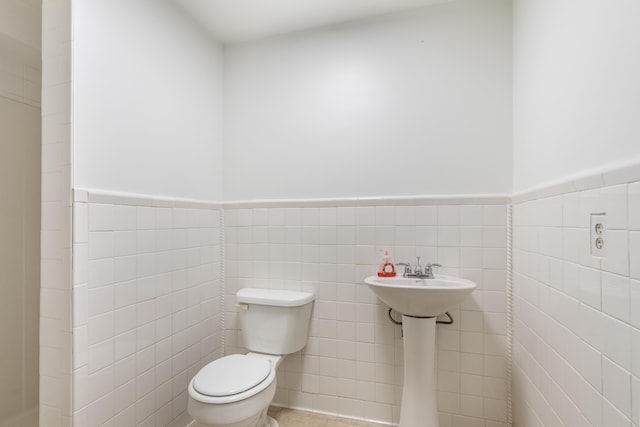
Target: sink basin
x,y
420,297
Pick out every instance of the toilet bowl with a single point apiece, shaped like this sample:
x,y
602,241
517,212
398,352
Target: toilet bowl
x,y
236,390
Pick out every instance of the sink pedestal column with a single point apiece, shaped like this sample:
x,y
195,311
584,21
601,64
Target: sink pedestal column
x,y
419,406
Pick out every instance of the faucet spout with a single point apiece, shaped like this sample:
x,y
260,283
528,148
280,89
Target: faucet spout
x,y
418,272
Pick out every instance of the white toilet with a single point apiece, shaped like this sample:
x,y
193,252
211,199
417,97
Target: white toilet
x,y
236,390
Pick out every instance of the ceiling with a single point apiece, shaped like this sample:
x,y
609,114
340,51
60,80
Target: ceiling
x,y
235,21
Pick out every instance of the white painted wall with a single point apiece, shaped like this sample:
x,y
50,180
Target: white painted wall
x,y
576,86
147,100
413,103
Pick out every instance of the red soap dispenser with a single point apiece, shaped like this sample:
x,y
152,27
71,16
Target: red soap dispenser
x,y
387,269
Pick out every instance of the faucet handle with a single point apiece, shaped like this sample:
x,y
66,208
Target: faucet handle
x,y
407,267
428,271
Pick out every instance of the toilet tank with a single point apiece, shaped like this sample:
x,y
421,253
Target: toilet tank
x,y
274,321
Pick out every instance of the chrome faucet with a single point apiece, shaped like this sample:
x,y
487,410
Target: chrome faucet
x,y
418,271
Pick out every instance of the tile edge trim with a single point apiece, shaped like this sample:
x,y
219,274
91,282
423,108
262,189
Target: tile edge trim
x,y
462,199
82,195
615,174
621,173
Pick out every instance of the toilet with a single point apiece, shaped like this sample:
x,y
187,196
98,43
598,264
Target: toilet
x,y
236,390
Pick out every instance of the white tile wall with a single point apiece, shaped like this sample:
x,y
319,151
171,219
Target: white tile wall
x,y
138,337
353,362
577,336
20,64
19,81
146,307
56,278
147,304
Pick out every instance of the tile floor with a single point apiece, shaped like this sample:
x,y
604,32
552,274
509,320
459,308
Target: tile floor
x,y
294,418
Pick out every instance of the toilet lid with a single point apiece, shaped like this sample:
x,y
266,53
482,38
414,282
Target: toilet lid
x,y
231,375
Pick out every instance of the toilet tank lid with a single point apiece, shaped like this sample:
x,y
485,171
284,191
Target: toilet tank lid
x,y
279,298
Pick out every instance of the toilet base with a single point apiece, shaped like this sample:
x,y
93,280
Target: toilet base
x,y
269,422
262,420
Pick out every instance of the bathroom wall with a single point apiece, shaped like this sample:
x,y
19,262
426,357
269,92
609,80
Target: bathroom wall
x,y
577,317
146,306
20,236
565,373
147,101
576,152
407,104
20,21
404,94
20,62
353,363
147,173
19,255
56,256
20,67
124,371
575,88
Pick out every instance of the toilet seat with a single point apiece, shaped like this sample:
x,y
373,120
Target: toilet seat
x,y
231,379
231,375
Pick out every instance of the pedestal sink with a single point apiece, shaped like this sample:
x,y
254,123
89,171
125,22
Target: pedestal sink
x,y
420,301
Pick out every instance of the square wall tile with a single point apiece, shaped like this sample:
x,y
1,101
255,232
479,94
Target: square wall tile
x,y
634,206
